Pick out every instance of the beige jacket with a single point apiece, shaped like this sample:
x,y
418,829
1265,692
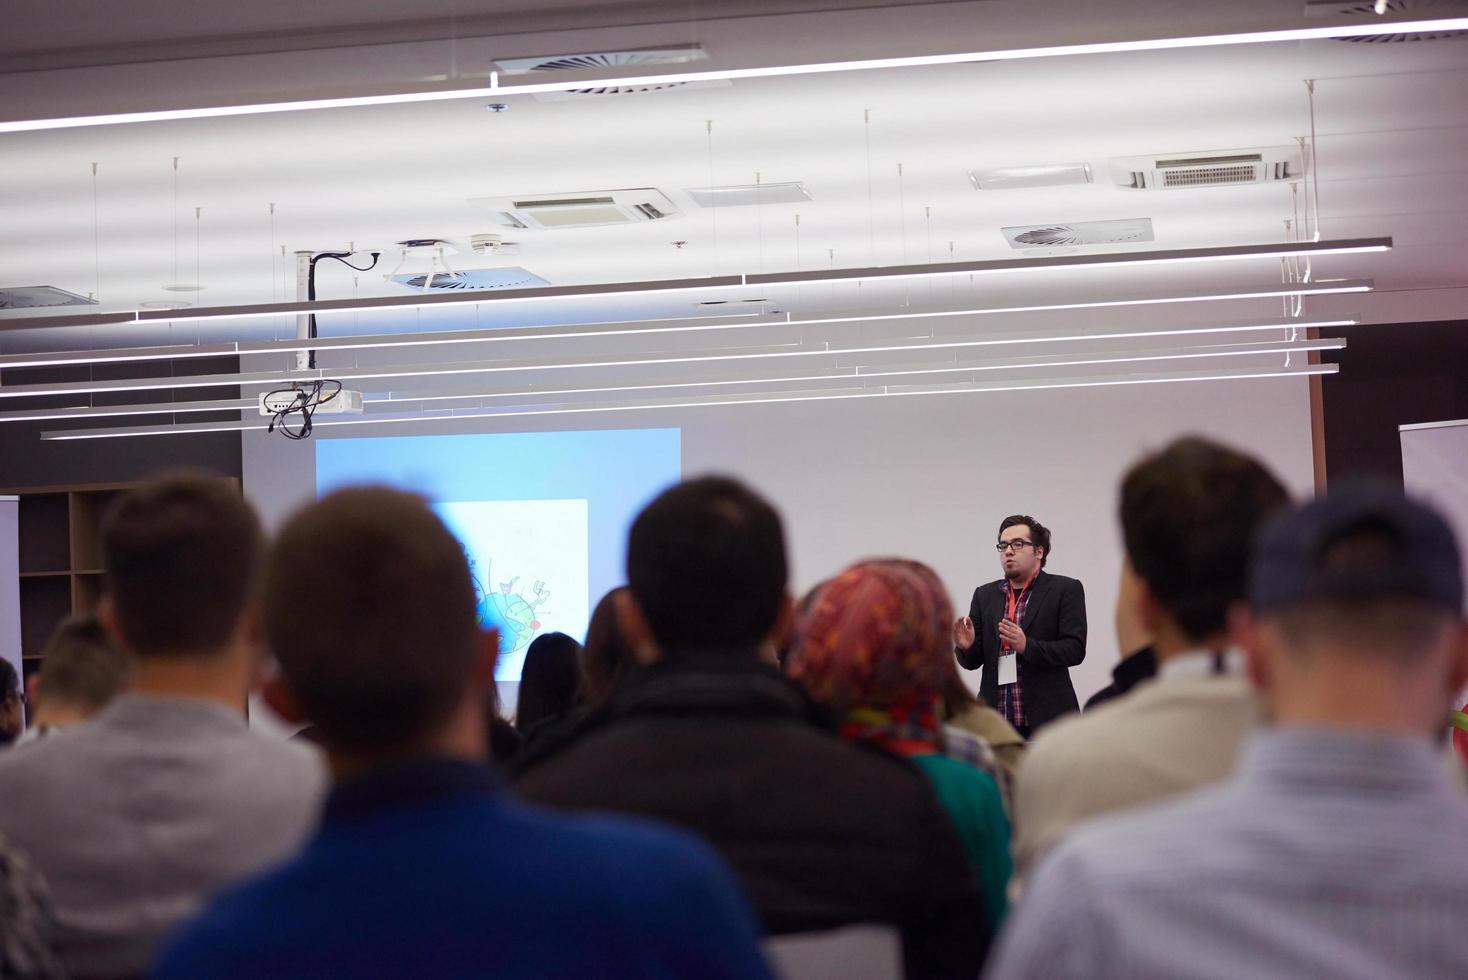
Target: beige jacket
x,y
1175,733
989,725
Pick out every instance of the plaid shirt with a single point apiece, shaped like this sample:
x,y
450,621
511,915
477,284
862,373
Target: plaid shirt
x,y
1011,700
970,749
27,925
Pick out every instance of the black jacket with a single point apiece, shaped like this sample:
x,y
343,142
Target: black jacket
x,y
1133,670
1055,633
821,833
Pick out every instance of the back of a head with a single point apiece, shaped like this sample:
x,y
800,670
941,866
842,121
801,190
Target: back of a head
x,y
878,635
706,564
549,680
1188,516
1362,572
182,556
80,668
606,656
369,609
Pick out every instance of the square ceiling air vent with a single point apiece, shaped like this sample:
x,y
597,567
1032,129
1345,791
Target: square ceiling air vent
x,y
1214,168
617,62
593,60
511,277
744,195
588,209
37,297
1370,9
1118,231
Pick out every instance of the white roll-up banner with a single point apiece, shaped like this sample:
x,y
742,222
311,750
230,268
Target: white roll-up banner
x,y
10,581
1435,468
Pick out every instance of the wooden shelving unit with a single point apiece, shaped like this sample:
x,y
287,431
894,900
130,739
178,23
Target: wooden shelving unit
x,y
60,556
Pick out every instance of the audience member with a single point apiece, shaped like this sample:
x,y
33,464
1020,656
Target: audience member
x,y
710,736
549,680
606,658
505,740
965,712
137,816
81,672
12,704
876,647
421,867
1338,847
1187,516
27,924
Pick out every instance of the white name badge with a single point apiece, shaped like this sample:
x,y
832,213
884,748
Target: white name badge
x,y
1008,669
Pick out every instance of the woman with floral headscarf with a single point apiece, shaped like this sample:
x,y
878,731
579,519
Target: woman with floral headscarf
x,y
874,645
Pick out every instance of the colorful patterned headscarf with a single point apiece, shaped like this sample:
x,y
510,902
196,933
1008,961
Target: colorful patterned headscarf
x,y
875,645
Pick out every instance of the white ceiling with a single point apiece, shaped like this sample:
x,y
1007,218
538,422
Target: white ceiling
x,y
1391,133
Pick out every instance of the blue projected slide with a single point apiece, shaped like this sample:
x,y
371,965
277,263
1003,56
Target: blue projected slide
x,y
543,516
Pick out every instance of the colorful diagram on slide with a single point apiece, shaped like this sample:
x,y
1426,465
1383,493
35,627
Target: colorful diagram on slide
x,y
529,563
511,613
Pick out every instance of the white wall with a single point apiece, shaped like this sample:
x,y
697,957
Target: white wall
x,y
930,478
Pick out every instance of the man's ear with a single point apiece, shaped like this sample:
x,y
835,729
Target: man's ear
x,y
1255,638
635,630
107,616
33,690
1149,610
1132,634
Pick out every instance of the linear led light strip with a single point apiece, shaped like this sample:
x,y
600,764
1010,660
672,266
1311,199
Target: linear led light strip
x,y
495,89
626,328
179,408
187,428
265,378
835,374
1106,260
854,374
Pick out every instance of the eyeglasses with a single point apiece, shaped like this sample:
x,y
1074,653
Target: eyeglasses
x,y
1017,544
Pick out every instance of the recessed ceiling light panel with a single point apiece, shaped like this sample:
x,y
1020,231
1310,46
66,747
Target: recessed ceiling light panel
x,y
744,195
37,297
1018,178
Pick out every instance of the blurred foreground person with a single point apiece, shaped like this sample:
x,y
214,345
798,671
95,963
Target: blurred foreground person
x,y
875,647
137,816
1188,514
709,735
421,866
81,672
1340,847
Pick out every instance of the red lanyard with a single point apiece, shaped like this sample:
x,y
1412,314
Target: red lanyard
x,y
1011,604
1015,595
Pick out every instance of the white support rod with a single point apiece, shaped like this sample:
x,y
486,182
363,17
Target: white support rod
x,y
303,320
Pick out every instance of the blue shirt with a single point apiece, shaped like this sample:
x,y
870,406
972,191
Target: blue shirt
x,y
427,871
1329,854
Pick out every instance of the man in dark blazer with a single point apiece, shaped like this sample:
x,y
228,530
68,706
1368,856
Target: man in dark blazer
x,y
1025,630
